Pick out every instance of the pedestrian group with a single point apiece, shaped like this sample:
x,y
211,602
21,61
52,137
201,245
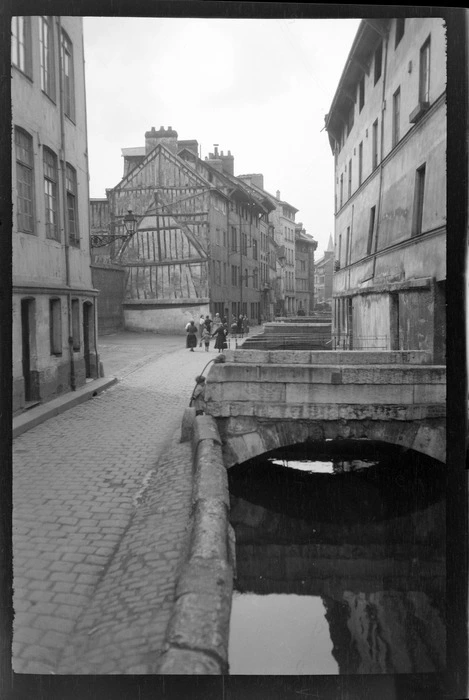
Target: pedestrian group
x,y
216,328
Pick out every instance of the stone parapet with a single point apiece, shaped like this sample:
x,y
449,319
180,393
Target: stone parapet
x,y
330,357
325,411
327,374
197,636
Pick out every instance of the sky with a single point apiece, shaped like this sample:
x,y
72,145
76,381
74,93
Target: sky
x,y
258,87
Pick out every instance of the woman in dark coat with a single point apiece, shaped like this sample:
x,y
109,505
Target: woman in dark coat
x,y
191,340
220,334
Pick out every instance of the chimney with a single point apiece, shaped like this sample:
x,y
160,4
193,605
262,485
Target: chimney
x,y
214,159
191,145
227,163
278,194
256,179
168,137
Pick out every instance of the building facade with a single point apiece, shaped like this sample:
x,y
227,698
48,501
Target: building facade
x,y
387,130
305,246
323,274
54,302
282,235
201,232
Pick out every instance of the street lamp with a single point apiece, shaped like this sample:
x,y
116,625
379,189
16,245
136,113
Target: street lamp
x,y
130,221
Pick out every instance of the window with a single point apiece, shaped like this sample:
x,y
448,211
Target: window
x,y
234,239
246,278
234,276
47,56
72,213
424,74
400,29
378,62
396,111
371,229
24,181
55,325
50,193
374,162
68,77
224,238
360,163
347,247
361,94
244,244
21,44
254,250
350,118
350,178
341,190
418,201
224,273
76,324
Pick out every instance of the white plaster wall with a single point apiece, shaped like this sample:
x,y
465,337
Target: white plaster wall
x,y
168,320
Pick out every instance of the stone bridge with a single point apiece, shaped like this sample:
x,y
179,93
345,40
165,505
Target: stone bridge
x,y
264,400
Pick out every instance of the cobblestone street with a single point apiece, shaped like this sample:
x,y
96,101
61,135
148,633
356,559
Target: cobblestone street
x,y
79,480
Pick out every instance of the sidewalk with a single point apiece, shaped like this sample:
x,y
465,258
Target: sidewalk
x,y
121,354
84,482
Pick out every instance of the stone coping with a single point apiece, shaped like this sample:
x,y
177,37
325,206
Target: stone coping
x,y
197,636
331,357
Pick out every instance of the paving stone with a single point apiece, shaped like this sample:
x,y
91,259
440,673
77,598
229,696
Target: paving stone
x,y
79,480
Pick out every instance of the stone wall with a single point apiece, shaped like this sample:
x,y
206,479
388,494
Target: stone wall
x,y
164,318
110,282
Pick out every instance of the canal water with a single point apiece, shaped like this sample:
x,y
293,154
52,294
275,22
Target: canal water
x,y
340,561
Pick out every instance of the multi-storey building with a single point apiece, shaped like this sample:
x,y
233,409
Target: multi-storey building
x,y
282,220
323,273
284,225
54,320
387,130
197,249
305,245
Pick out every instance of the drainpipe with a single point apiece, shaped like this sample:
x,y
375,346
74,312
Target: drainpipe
x,y
95,305
383,108
64,208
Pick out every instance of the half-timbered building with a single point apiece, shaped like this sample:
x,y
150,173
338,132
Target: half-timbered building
x,y
197,245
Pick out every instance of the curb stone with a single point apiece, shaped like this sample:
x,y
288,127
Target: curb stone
x,y
197,635
37,415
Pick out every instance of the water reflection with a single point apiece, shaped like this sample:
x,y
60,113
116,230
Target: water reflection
x,y
345,568
298,633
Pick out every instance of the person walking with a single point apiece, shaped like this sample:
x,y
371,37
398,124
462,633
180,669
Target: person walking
x,y
206,335
240,325
234,329
216,323
191,339
208,323
201,327
220,342
246,325
198,396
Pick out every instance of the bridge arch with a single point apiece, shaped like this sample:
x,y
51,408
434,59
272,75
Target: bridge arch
x,y
245,437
